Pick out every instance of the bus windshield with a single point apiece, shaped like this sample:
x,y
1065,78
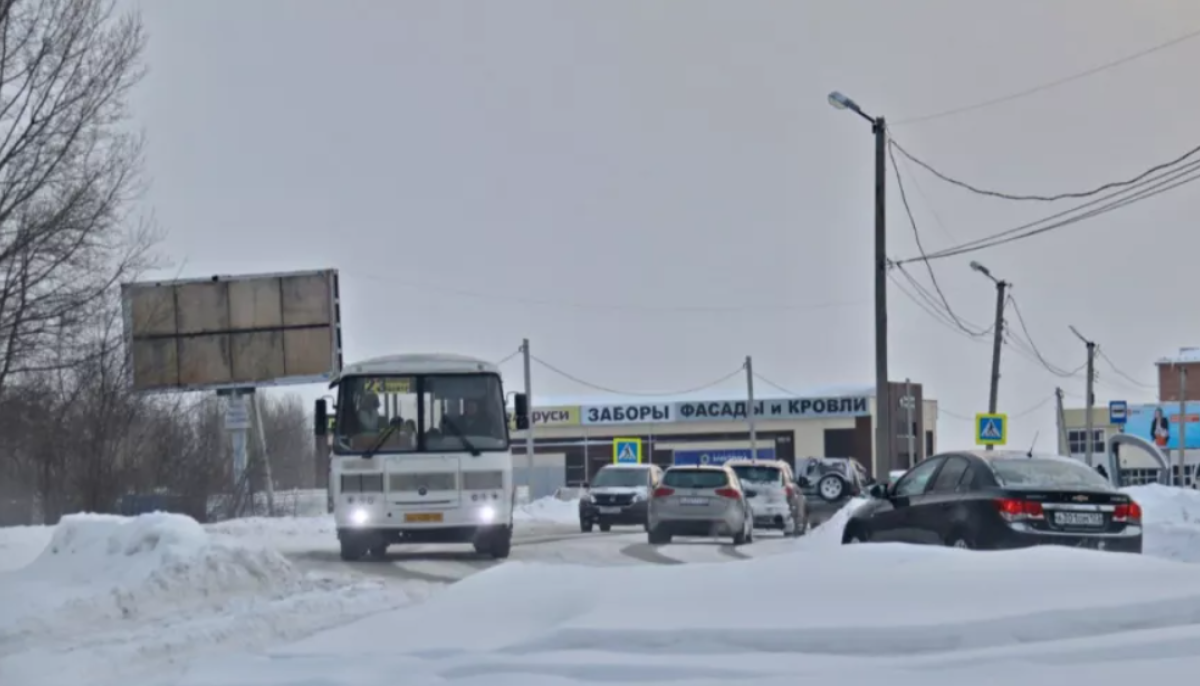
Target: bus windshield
x,y
426,413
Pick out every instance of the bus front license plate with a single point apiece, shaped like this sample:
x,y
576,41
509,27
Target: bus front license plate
x,y
423,517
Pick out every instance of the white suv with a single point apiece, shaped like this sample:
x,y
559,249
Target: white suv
x,y
773,495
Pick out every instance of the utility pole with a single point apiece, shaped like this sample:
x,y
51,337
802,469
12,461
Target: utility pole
x,y
750,408
884,428
1060,419
1182,422
1091,397
910,403
529,410
997,338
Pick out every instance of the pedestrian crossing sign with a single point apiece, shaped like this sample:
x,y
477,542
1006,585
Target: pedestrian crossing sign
x,y
627,451
991,429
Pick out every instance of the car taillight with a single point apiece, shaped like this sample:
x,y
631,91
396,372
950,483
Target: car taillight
x,y
663,491
791,490
1128,512
729,493
1012,509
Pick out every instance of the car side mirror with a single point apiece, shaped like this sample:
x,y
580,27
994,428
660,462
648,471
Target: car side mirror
x,y
878,491
321,418
521,411
803,482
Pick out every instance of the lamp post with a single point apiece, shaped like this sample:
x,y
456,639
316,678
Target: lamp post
x,y
997,337
883,406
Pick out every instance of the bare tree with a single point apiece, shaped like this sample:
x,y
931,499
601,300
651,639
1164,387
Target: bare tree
x,y
69,168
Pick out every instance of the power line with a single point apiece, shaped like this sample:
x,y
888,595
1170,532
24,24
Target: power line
x,y
1025,412
510,356
1152,187
605,389
1045,86
1112,365
1074,195
618,307
1052,368
917,236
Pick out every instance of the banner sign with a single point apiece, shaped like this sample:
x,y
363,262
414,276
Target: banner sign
x,y
632,413
720,456
798,408
560,415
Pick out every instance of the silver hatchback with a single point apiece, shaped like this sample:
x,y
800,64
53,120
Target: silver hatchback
x,y
700,501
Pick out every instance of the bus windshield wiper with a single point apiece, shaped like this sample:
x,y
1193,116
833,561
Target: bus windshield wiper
x,y
390,429
454,429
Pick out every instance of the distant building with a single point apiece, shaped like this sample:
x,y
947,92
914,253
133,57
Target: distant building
x,y
574,437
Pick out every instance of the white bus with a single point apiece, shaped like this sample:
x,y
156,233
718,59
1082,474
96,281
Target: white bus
x,y
420,453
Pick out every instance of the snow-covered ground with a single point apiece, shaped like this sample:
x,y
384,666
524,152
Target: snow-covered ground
x,y
159,600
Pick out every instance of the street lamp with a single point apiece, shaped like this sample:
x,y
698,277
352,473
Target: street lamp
x,y
997,336
884,430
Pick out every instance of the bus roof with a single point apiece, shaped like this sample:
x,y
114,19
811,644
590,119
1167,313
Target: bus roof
x,y
418,363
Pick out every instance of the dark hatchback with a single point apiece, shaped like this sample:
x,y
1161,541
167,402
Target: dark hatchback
x,y
618,495
1000,500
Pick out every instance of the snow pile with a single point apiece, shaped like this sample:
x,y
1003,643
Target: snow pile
x,y
829,532
19,545
159,586
915,613
107,567
1170,520
286,534
548,510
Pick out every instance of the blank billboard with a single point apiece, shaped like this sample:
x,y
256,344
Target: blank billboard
x,y
233,331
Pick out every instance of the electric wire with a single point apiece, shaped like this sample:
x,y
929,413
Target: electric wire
x,y
1117,370
1074,195
510,356
582,382
1047,85
1152,187
1028,339
920,248
1023,413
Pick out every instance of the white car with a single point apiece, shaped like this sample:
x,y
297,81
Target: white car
x,y
832,478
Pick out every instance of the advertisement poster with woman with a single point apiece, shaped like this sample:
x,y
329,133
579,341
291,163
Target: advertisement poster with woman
x,y
1159,424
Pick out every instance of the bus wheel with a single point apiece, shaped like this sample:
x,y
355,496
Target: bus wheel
x,y
501,543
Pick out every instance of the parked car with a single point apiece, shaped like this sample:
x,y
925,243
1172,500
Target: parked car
x,y
832,479
999,500
618,495
775,498
700,501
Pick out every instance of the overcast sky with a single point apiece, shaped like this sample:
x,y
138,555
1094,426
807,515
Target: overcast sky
x,y
651,191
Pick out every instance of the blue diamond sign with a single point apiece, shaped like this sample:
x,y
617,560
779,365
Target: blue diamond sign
x,y
991,429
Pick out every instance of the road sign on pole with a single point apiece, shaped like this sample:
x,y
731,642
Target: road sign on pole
x,y
627,451
1118,412
991,429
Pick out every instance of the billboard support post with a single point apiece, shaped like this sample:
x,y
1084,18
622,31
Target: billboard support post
x,y
266,457
1179,480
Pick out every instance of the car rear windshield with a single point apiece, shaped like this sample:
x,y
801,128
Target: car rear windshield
x,y
757,474
619,477
1057,474
694,478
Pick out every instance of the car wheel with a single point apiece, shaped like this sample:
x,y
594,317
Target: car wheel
x,y
831,488
585,526
656,537
855,533
961,540
605,526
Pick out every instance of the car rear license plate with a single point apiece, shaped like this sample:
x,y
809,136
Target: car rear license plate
x,y
1092,519
693,501
423,517
609,510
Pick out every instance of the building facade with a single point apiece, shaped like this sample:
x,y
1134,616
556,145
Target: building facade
x,y
575,437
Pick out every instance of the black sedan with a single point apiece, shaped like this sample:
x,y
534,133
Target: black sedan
x,y
999,500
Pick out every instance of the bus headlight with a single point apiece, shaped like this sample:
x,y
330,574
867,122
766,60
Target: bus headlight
x,y
487,514
359,516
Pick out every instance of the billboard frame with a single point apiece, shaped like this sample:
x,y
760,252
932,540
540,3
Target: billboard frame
x,y
335,327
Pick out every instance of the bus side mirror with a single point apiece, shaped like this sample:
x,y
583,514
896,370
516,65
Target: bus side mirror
x,y
521,411
321,418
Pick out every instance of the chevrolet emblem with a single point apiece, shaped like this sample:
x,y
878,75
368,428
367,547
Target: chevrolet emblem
x,y
1080,498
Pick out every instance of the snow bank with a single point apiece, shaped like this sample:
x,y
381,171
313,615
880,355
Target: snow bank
x,y
920,614
1171,521
548,510
20,545
830,531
